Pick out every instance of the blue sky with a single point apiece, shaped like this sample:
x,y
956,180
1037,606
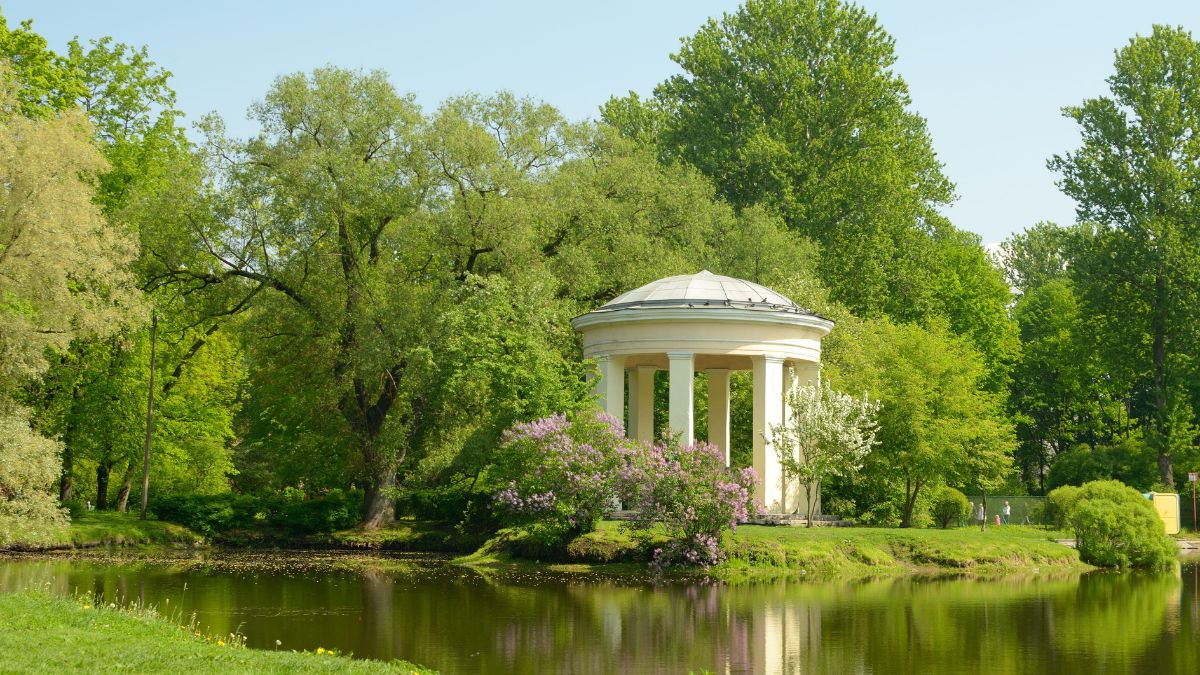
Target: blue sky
x,y
989,76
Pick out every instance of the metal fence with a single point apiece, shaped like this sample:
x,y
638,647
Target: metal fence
x,y
1026,510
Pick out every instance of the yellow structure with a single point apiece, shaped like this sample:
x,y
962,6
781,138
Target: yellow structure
x,y
716,324
1167,505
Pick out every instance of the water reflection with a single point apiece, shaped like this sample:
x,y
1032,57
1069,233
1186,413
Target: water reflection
x,y
463,621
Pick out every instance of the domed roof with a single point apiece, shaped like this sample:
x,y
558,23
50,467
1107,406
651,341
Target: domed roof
x,y
703,289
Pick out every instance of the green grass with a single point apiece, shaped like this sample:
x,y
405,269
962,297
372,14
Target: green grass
x,y
853,552
44,634
109,528
760,551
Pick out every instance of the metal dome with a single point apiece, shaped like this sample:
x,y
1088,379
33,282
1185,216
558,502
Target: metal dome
x,y
703,289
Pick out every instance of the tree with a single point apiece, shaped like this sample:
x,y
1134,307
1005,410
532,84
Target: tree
x,y
782,104
937,424
1134,176
62,276
828,433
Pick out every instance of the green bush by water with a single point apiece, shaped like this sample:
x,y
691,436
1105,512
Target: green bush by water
x,y
1115,526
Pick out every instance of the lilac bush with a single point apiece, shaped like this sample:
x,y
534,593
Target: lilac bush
x,y
560,473
690,492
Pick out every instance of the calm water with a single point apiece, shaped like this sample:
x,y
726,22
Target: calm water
x,y
462,621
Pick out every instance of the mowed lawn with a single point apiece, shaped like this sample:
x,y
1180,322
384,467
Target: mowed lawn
x,y
44,634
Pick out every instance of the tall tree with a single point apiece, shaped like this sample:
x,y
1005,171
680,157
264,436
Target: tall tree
x,y
62,276
936,423
794,104
1135,175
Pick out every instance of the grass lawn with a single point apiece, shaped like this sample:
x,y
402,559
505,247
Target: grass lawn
x,y
44,634
109,528
864,551
821,552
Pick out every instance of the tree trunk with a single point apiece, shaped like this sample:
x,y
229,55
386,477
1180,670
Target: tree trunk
x,y
102,471
126,487
1161,415
379,510
910,502
66,482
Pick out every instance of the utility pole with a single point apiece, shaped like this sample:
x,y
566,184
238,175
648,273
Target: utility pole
x,y
149,415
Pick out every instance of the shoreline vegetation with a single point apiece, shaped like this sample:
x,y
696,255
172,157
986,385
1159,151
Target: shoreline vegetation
x,y
43,633
754,551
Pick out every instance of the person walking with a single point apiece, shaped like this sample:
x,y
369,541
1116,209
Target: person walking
x,y
1006,511
981,516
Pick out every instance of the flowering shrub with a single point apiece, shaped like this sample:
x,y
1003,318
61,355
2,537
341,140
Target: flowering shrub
x,y
560,474
690,492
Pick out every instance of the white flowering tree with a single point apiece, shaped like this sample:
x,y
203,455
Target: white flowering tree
x,y
826,433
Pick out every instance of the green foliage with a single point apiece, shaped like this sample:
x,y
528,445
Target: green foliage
x,y
1115,526
936,423
1131,461
1059,504
290,511
950,506
1138,271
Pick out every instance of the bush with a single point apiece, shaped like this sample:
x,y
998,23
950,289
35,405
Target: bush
x,y
560,473
950,506
336,510
1115,526
691,493
208,514
291,511
1059,503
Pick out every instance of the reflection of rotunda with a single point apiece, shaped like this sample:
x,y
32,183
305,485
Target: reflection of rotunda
x,y
714,324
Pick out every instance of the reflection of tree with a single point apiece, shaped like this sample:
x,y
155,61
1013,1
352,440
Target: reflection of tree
x,y
1113,619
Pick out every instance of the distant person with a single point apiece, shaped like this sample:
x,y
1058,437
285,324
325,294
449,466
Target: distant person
x,y
971,511
997,518
981,516
1007,511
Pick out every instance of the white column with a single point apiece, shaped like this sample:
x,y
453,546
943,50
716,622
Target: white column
x,y
790,495
645,402
631,427
682,396
768,413
718,409
610,387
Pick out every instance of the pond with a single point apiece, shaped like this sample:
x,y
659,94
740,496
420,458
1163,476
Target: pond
x,y
460,620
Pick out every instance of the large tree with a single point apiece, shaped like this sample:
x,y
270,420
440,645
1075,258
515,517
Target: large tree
x,y
62,276
795,105
1135,176
936,423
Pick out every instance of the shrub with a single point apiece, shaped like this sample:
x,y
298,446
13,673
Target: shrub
x,y
1115,526
950,506
336,510
691,493
560,473
291,511
208,514
1059,503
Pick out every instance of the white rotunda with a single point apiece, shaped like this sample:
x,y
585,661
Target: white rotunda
x,y
711,323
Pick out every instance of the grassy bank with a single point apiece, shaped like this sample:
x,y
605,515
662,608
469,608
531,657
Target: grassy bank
x,y
854,552
828,553
44,634
107,528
